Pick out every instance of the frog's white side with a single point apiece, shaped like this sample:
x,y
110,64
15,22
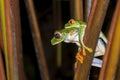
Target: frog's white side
x,y
100,48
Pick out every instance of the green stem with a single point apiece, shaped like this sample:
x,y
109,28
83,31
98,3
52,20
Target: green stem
x,y
3,24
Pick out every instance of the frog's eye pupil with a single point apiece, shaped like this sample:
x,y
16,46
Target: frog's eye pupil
x,y
71,21
57,35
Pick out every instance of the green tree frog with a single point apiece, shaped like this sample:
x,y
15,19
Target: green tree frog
x,y
73,32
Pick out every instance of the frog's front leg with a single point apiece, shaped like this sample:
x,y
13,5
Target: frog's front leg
x,y
83,48
79,56
88,49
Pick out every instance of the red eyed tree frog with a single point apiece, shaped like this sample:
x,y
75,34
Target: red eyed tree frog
x,y
73,32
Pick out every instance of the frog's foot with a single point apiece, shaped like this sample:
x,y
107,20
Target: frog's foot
x,y
79,57
90,50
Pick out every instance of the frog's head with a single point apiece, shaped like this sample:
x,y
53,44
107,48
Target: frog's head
x,y
74,23
59,36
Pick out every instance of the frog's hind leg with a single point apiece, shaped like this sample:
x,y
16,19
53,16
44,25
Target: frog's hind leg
x,y
83,46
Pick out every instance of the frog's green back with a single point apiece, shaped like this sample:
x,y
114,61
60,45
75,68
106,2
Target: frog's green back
x,y
74,23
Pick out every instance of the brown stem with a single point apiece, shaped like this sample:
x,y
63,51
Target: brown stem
x,y
93,28
112,53
76,7
13,35
2,70
37,39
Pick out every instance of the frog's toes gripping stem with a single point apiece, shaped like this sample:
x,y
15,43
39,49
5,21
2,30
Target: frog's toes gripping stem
x,y
79,57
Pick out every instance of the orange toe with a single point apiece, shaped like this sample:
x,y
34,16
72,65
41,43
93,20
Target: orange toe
x,y
79,58
90,50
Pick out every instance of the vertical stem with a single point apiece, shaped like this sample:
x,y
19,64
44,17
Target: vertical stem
x,y
113,58
93,28
76,8
117,77
57,22
2,70
37,40
3,28
87,8
13,34
110,61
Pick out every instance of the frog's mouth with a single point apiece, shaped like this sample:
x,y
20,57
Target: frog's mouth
x,y
56,41
59,36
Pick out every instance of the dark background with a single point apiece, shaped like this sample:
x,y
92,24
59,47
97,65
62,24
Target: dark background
x,y
44,13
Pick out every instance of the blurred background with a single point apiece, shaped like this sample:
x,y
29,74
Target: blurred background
x,y
52,15
48,18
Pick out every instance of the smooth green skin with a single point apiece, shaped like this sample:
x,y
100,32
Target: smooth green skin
x,y
75,23
81,26
72,25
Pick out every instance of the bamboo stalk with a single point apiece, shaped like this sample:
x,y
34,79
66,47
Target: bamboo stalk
x,y
93,28
112,54
37,40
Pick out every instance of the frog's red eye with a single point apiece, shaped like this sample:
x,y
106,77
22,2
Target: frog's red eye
x,y
57,35
71,21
